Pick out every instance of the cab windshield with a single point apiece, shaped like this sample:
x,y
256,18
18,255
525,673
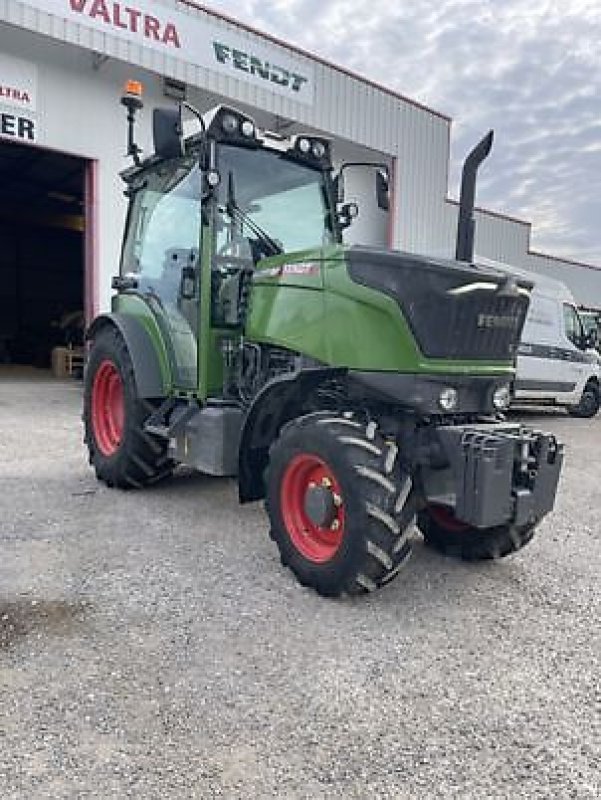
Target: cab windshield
x,y
285,199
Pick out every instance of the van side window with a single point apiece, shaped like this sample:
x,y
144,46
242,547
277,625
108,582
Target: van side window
x,y
573,326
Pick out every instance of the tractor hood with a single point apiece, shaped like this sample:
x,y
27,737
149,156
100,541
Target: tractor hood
x,y
455,310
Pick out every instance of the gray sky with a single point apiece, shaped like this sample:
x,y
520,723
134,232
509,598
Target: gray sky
x,y
530,69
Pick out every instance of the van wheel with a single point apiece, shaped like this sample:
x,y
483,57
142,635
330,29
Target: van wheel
x,y
590,402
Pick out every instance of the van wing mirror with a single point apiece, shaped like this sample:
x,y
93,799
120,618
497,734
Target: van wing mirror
x,y
590,339
383,190
167,132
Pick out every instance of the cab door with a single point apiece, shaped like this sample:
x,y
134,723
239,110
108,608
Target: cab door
x,y
162,258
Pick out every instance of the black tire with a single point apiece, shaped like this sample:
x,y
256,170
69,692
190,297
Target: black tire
x,y
376,503
589,404
137,458
443,533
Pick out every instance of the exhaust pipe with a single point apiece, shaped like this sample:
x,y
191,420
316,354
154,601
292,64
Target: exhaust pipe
x,y
465,228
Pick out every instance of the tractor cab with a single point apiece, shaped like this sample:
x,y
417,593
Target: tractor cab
x,y
204,212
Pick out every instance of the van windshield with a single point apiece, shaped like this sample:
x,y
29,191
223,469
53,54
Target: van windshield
x,y
573,325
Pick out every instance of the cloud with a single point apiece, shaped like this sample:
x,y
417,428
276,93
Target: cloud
x,y
530,70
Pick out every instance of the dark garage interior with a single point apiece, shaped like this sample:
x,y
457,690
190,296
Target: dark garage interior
x,y
42,260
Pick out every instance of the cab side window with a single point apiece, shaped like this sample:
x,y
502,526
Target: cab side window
x,y
167,230
572,325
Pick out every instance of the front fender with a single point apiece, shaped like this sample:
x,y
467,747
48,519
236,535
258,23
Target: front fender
x,y
150,379
279,401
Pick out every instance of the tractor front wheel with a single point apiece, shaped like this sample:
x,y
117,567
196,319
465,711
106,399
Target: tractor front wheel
x,y
122,453
444,532
340,505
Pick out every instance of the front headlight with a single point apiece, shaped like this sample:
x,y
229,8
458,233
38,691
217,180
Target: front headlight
x,y
501,398
448,399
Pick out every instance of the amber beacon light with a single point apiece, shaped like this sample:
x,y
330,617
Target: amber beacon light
x,y
132,100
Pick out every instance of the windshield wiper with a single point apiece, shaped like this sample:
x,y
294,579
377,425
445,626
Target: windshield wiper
x,y
238,215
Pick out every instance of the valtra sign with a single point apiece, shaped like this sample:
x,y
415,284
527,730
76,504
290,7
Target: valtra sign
x,y
18,83
195,38
18,90
127,18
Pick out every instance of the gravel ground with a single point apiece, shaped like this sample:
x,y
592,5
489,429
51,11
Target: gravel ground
x,y
152,646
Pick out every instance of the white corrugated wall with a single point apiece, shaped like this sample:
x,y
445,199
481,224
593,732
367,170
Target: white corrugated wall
x,y
344,107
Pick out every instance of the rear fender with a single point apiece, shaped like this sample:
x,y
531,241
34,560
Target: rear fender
x,y
278,402
150,379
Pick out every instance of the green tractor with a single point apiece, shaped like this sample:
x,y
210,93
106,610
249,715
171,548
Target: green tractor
x,y
358,391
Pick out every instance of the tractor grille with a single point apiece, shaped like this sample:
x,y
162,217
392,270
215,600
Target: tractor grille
x,y
454,310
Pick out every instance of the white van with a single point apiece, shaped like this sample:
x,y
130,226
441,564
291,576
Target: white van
x,y
556,362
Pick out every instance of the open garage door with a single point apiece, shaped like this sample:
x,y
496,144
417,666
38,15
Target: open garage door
x,y
42,253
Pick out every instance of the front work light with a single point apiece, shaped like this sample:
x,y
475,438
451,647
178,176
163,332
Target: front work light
x,y
247,128
229,123
319,149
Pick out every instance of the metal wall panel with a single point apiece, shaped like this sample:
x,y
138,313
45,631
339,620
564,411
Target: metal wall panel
x,y
344,107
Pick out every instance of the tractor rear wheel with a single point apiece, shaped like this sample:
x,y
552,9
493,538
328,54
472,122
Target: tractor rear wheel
x,y
341,506
444,532
120,450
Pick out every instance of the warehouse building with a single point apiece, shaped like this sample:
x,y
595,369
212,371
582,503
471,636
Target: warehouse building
x,y
63,137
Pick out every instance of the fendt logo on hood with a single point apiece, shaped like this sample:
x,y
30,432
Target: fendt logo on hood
x,y
498,321
246,62
128,18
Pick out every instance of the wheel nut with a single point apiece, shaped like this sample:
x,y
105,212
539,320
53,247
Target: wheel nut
x,y
335,525
326,482
337,500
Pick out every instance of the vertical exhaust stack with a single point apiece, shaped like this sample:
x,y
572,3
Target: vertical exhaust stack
x,y
466,225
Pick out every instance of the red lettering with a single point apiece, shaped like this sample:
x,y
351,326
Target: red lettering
x,y
99,9
134,18
171,36
11,93
117,17
151,28
128,18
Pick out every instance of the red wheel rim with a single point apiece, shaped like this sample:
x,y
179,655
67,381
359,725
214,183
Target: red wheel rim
x,y
444,517
315,542
108,408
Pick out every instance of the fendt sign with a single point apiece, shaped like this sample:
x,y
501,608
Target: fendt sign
x,y
195,39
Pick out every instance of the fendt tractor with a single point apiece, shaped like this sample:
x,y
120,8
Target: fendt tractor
x,y
358,391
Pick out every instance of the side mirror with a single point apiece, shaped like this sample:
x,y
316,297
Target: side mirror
x,y
383,191
167,132
187,287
